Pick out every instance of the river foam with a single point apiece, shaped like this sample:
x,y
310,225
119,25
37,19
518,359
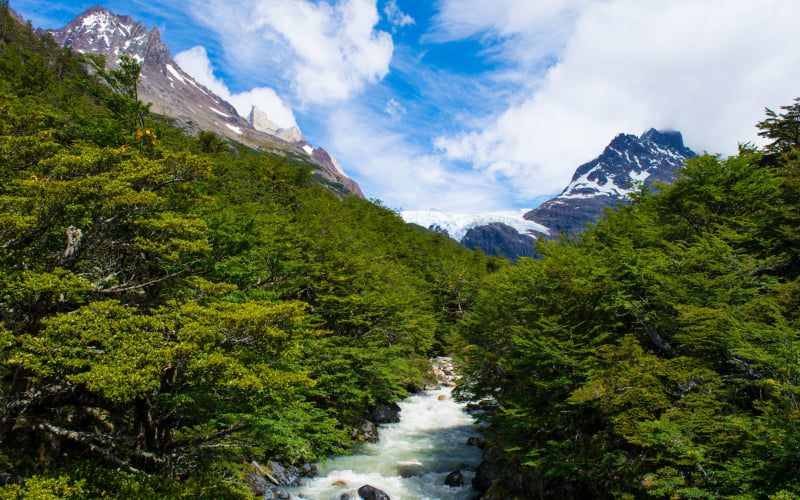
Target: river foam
x,y
412,458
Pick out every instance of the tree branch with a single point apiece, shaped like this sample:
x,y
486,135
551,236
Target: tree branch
x,y
207,437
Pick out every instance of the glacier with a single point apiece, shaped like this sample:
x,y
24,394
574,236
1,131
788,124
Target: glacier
x,y
457,224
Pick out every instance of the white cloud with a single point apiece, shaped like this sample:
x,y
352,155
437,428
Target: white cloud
x,y
195,62
396,16
328,51
395,109
405,176
704,68
522,31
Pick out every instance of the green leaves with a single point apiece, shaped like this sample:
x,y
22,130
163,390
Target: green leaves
x,y
659,347
174,307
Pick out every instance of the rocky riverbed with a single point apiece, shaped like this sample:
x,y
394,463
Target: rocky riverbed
x,y
427,450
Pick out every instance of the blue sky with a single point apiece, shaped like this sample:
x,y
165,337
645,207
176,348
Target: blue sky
x,y
469,105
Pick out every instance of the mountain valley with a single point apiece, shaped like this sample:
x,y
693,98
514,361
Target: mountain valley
x,y
201,306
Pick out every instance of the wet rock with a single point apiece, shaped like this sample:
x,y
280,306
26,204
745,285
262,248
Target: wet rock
x,y
475,441
481,407
410,468
291,475
340,483
442,397
455,478
490,469
384,413
446,370
415,388
369,492
367,432
269,482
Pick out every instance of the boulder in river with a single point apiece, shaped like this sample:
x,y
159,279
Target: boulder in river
x,y
269,482
475,441
490,469
369,492
408,468
384,413
367,432
455,478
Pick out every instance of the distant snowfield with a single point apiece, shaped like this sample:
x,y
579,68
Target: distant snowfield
x,y
457,224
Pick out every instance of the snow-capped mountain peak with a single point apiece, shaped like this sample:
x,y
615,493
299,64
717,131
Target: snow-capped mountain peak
x,y
598,184
176,94
627,161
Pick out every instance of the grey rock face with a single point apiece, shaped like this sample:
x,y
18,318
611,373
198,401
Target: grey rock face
x,y
609,178
499,238
175,94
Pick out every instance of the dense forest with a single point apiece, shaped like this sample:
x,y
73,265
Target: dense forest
x,y
657,353
173,307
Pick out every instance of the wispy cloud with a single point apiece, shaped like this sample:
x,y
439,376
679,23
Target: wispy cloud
x,y
395,109
474,105
405,175
396,16
196,63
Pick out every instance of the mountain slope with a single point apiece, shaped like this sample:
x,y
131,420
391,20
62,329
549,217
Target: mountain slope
x,y
176,94
596,185
457,225
609,178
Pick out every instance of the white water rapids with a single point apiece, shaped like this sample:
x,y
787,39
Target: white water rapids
x,y
426,445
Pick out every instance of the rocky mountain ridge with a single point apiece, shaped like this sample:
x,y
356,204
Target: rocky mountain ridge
x,y
176,94
601,183
598,184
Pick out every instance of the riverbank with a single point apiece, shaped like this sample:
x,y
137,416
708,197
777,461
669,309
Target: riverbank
x,y
423,456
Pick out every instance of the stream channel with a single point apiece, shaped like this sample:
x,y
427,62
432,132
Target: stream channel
x,y
412,458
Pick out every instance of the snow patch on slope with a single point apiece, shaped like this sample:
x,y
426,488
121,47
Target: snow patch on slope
x,y
234,128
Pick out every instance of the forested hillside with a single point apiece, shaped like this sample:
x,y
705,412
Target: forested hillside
x,y
173,306
657,353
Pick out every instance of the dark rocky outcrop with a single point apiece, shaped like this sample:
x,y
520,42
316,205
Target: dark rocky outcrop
x,y
455,479
489,470
270,482
6,479
500,239
369,492
384,413
476,441
501,477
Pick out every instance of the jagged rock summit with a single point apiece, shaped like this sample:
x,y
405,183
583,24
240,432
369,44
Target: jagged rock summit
x,y
609,178
175,94
261,121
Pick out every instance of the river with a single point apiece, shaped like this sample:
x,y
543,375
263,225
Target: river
x,y
412,458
